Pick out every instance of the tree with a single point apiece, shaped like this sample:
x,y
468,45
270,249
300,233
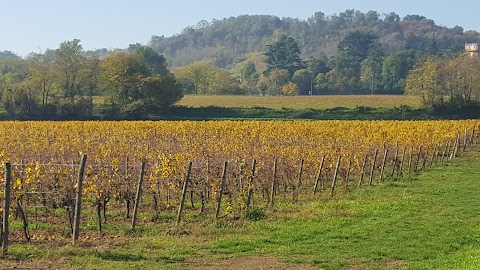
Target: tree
x,y
373,67
19,102
159,92
68,64
414,17
357,45
19,99
207,79
154,62
322,83
195,74
249,77
272,84
40,75
132,87
425,80
283,55
90,77
360,57
222,82
395,70
13,70
456,78
304,80
317,65
461,77
119,77
290,89
8,54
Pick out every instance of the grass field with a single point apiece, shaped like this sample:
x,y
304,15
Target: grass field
x,y
300,102
429,221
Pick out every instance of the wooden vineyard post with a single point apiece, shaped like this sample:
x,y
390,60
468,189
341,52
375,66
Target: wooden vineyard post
x,y
410,157
347,175
23,215
419,154
274,182
457,146
299,183
370,182
450,150
207,178
300,174
240,178
472,136
78,201
335,175
400,169
395,161
382,171
434,155
445,152
250,184
465,140
424,162
127,197
364,167
6,210
222,185
438,148
138,195
184,192
319,175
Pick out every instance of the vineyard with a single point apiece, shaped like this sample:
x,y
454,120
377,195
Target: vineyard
x,y
202,171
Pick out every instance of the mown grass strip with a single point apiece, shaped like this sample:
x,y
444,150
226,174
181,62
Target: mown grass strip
x,y
428,222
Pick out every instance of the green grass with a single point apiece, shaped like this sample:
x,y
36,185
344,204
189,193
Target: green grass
x,y
261,113
301,102
429,221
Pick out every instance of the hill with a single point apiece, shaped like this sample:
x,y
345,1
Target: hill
x,y
225,42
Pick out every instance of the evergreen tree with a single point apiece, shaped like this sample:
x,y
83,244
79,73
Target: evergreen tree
x,y
283,55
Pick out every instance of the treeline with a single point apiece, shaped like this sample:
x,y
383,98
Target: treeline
x,y
63,83
349,53
226,42
447,84
360,67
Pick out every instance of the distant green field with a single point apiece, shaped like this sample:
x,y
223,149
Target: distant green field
x,y
300,102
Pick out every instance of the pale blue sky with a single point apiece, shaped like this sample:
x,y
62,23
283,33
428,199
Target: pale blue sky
x,y
35,25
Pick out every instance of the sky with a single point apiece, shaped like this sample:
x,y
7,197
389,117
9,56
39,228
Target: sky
x,y
36,25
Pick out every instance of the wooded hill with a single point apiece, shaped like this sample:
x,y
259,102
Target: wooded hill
x,y
227,41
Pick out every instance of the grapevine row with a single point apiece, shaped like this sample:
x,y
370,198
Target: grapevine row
x,y
267,161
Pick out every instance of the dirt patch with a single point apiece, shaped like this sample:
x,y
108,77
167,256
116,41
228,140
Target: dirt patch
x,y
265,262
398,264
34,265
357,264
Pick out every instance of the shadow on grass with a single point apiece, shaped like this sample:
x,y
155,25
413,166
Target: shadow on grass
x,y
166,259
124,257
128,257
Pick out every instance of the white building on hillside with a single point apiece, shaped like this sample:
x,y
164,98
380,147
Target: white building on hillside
x,y
471,49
